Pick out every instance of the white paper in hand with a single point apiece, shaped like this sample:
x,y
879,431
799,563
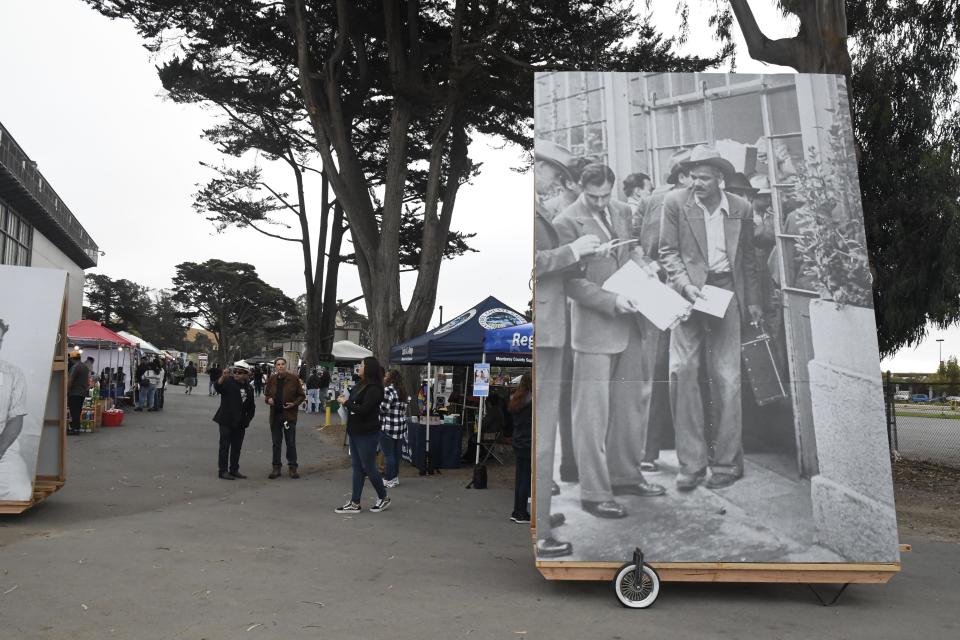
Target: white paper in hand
x,y
715,300
658,303
342,412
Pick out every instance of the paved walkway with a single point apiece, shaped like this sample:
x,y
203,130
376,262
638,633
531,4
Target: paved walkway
x,y
145,542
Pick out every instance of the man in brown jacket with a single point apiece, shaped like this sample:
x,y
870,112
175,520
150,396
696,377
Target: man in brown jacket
x,y
284,393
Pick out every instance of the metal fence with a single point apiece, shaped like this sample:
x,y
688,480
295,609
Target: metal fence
x,y
923,421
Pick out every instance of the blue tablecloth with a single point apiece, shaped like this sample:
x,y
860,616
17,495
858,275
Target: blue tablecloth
x,y
445,441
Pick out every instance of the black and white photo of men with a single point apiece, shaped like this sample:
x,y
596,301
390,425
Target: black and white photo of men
x,y
725,393
15,483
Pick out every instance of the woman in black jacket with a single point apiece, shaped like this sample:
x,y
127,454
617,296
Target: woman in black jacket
x,y
363,427
520,408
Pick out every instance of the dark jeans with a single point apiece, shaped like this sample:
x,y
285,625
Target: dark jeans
x,y
521,484
279,435
75,403
363,453
391,455
231,441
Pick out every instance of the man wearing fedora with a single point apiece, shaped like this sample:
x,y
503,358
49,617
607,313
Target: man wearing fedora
x,y
609,430
706,238
555,261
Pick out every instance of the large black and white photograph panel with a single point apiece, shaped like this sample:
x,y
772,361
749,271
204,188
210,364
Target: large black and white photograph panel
x,y
707,371
31,303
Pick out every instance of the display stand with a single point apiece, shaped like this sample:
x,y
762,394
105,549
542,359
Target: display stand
x,y
51,469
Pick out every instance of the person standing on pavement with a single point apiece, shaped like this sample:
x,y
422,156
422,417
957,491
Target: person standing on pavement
x,y
189,377
393,425
313,392
78,387
363,428
520,407
149,383
237,408
324,385
284,394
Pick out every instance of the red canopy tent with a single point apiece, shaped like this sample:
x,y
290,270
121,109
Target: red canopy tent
x,y
107,348
92,332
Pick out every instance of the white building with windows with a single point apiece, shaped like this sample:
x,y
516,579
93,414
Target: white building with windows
x,y
37,228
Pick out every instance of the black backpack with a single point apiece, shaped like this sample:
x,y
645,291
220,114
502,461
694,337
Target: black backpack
x,y
479,477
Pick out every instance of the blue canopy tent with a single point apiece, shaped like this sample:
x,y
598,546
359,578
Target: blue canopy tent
x,y
458,342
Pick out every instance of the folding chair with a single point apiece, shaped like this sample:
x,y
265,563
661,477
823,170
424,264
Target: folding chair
x,y
488,445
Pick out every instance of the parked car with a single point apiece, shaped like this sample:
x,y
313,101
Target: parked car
x,y
901,395
920,397
953,398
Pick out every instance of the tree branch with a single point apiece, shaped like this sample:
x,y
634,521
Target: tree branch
x,y
786,51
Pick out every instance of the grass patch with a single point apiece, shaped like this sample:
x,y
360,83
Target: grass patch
x,y
925,414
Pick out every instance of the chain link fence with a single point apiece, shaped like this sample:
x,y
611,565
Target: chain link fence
x,y
923,421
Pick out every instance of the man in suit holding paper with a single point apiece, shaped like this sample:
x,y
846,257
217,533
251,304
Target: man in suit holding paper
x,y
706,240
609,431
555,262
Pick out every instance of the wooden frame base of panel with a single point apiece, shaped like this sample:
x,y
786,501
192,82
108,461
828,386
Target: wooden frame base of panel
x,y
802,573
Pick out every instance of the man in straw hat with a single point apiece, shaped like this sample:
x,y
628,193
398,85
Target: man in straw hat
x,y
707,239
609,431
555,262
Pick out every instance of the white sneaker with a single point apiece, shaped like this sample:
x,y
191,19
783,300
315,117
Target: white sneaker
x,y
381,505
350,507
390,484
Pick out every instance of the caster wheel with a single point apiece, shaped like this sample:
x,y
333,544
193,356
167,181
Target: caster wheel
x,y
633,593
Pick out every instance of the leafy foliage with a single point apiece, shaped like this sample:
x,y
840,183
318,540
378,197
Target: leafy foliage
x,y
229,299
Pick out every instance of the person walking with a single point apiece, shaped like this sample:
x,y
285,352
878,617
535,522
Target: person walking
x,y
257,379
237,409
214,372
78,387
189,377
520,407
393,425
158,395
313,392
363,429
284,394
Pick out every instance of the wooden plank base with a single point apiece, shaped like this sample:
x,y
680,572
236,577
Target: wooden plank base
x,y
807,573
42,489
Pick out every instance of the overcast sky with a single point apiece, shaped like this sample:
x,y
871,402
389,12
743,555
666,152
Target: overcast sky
x,y
82,97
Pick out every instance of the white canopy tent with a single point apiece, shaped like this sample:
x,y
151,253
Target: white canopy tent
x,y
144,346
346,350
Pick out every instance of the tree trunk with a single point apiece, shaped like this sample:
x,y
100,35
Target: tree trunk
x,y
820,45
328,320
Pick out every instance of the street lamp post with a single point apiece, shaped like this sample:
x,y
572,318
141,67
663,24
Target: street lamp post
x,y
441,315
940,344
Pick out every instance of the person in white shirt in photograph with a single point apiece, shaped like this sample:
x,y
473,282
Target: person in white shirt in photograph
x,y
15,483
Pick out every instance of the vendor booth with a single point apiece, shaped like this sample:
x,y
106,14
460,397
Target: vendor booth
x,y
434,442
113,359
346,351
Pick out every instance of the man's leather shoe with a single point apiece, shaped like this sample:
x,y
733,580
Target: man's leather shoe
x,y
689,482
293,473
223,475
557,519
275,473
238,475
721,480
554,489
608,509
552,548
642,489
